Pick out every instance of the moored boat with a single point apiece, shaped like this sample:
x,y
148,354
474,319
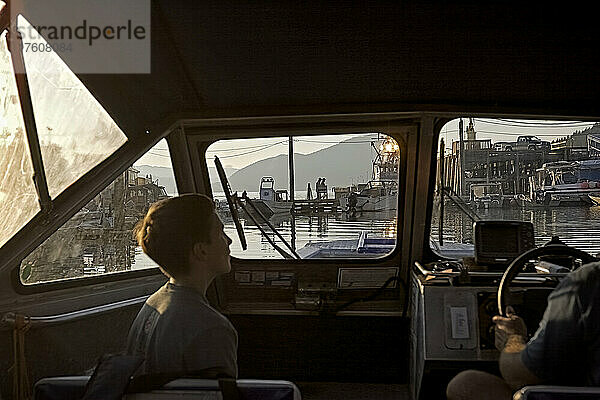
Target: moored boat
x,y
272,201
565,183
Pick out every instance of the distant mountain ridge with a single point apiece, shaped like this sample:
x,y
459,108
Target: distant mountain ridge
x,y
341,164
167,179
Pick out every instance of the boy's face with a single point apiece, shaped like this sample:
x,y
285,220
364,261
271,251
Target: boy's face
x,y
217,249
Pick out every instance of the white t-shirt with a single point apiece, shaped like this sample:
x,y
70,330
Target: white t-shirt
x,y
178,332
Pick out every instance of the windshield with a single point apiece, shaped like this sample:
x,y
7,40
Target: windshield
x,y
519,180
343,201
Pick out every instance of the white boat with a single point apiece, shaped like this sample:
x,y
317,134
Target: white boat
x,y
565,183
380,193
487,195
374,196
271,201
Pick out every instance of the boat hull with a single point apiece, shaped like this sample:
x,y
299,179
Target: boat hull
x,y
564,198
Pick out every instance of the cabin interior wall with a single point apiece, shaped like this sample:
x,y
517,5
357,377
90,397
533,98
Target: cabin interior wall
x,y
297,348
323,348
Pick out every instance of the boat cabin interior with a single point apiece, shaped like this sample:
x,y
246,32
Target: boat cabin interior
x,y
378,310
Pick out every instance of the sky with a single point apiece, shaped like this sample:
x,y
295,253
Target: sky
x,y
239,153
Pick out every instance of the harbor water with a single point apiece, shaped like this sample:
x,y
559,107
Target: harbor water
x,y
576,226
307,229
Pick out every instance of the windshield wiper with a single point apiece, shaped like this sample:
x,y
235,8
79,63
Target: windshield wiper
x,y
263,231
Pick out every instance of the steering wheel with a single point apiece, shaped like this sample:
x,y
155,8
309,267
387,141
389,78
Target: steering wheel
x,y
553,248
231,201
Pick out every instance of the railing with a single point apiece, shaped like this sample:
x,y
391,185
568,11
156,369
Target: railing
x,y
8,319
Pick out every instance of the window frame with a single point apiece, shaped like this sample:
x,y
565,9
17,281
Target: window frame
x,y
428,253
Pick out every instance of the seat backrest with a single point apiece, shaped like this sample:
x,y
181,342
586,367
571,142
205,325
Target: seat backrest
x,y
249,389
73,388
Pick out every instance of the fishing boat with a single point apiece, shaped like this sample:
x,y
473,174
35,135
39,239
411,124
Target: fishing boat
x,y
565,183
487,195
272,201
374,196
381,193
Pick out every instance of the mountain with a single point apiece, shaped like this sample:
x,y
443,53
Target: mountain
x,y
342,164
215,183
167,179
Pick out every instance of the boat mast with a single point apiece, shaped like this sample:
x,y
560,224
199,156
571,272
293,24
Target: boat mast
x,y
291,167
461,186
292,190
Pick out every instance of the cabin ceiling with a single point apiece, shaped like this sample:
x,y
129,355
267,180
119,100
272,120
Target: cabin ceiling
x,y
236,59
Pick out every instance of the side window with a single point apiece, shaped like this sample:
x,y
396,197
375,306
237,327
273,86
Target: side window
x,y
538,171
75,132
98,239
18,198
345,199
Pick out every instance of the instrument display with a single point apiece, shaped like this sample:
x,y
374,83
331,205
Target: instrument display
x,y
497,243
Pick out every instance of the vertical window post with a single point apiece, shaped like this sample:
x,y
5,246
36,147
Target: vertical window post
x,y
15,46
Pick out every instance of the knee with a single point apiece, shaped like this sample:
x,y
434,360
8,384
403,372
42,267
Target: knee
x,y
473,384
458,387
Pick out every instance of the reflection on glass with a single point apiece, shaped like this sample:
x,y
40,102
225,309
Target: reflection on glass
x,y
98,239
75,132
345,193
18,198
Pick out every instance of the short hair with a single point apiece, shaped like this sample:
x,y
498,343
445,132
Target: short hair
x,y
171,228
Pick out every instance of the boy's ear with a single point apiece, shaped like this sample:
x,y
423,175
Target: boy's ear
x,y
198,251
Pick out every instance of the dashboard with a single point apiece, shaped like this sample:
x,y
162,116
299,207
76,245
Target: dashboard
x,y
452,305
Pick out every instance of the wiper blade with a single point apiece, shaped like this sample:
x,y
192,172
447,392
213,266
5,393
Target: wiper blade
x,y
247,199
281,251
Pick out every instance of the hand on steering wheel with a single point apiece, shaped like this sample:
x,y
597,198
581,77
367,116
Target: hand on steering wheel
x,y
511,325
553,248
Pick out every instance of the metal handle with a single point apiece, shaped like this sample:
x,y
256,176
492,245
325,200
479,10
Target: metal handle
x,y
8,319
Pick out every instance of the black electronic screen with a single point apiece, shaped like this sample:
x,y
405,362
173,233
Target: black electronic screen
x,y
499,242
501,239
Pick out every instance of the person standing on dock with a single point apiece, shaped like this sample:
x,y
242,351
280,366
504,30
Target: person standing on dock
x,y
309,194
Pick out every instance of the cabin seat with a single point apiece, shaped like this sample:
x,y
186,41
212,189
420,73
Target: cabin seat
x,y
548,392
73,388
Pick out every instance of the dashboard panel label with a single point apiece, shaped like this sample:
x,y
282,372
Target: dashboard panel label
x,y
460,322
366,278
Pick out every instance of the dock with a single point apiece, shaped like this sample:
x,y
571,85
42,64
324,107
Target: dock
x,y
483,164
316,207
